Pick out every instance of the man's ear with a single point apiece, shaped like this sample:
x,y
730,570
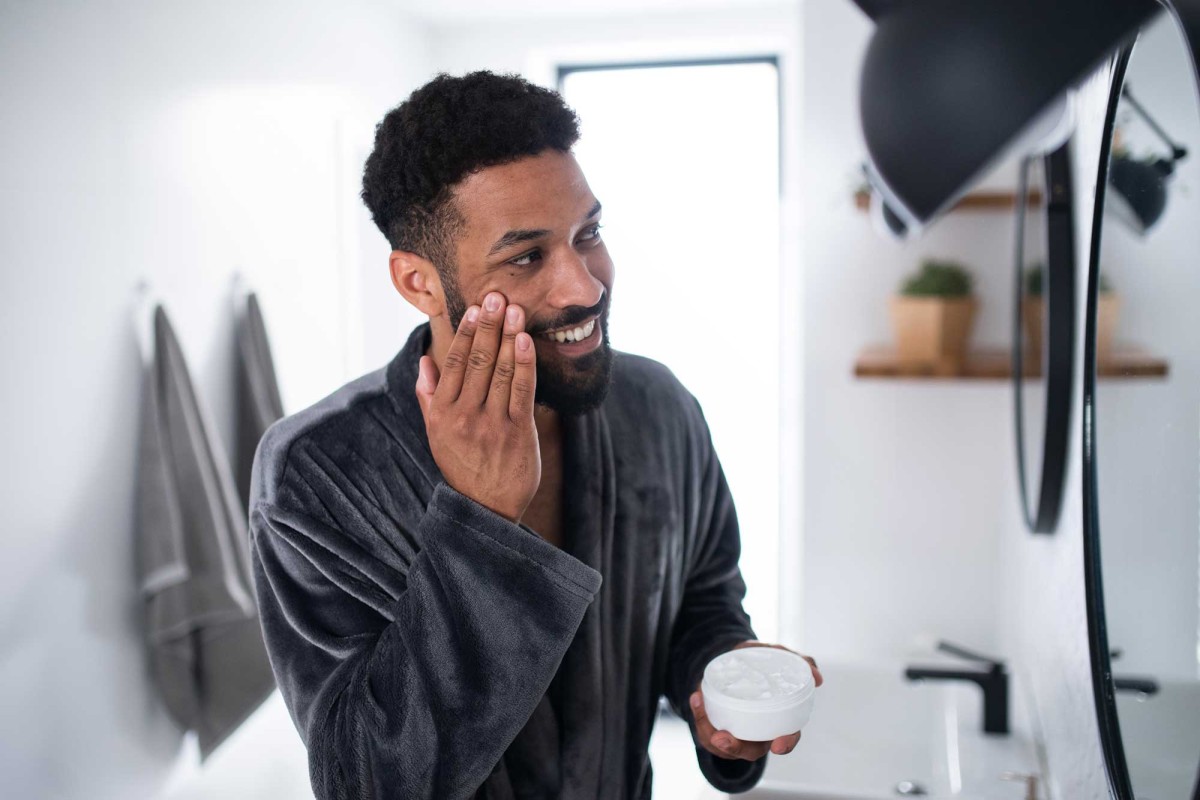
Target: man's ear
x,y
417,280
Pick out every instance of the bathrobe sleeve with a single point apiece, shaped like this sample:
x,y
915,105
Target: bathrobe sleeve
x,y
711,619
413,686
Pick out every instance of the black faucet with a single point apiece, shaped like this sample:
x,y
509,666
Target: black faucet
x,y
993,681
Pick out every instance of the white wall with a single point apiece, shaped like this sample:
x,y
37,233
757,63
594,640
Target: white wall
x,y
175,143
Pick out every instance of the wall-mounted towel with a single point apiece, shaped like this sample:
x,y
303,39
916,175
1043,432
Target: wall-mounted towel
x,y
206,649
258,400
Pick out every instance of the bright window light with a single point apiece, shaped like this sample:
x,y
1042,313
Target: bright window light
x,y
685,160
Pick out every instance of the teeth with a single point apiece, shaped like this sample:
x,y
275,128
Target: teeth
x,y
572,334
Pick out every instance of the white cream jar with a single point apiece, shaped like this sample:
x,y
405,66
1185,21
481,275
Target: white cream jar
x,y
758,693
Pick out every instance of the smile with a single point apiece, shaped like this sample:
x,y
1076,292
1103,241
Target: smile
x,y
576,334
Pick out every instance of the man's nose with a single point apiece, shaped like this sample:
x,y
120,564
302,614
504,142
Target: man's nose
x,y
572,283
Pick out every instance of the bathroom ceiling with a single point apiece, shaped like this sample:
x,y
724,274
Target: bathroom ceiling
x,y
452,11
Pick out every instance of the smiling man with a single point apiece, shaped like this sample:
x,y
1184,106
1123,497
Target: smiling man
x,y
480,567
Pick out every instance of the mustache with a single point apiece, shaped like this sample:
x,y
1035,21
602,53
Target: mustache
x,y
570,316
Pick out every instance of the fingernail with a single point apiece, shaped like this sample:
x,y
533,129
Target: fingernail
x,y
523,342
472,313
722,742
492,302
695,700
511,315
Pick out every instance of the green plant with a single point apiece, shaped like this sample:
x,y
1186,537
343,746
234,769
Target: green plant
x,y
938,279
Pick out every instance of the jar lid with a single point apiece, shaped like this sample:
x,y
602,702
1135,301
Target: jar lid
x,y
759,678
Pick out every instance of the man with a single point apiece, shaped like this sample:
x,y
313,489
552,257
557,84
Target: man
x,y
480,567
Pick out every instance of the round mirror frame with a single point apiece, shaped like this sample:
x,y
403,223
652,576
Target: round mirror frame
x,y
1103,689
1058,353
1187,17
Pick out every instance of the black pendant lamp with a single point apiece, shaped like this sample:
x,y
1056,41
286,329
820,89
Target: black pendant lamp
x,y
1139,194
949,88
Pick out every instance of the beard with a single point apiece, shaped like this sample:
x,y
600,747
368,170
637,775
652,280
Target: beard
x,y
574,386
570,386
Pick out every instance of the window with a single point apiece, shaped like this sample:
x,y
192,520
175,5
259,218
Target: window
x,y
685,158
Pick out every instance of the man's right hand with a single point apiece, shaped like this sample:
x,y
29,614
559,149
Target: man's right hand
x,y
479,410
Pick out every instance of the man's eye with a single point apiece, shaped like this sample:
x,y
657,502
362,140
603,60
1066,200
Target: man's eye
x,y
592,232
525,260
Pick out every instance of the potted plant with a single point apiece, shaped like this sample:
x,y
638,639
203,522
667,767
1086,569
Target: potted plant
x,y
932,317
1033,313
1107,306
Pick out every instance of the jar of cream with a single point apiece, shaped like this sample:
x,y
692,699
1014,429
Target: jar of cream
x,y
758,693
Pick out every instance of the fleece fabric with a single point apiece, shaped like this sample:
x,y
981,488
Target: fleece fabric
x,y
415,634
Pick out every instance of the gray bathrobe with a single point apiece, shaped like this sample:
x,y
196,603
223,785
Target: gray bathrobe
x,y
429,648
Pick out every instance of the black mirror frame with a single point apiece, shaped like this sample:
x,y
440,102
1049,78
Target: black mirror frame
x,y
1186,14
1058,344
1103,690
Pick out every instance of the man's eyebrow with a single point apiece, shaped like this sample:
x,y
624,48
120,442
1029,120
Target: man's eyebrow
x,y
526,235
516,237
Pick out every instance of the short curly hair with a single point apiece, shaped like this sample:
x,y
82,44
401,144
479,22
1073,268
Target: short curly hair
x,y
446,130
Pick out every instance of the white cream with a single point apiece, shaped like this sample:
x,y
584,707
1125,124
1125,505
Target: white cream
x,y
758,693
752,673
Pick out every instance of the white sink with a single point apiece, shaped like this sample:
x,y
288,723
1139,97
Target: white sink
x,y
1162,738
872,729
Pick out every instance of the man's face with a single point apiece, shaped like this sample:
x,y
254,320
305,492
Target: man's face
x,y
531,233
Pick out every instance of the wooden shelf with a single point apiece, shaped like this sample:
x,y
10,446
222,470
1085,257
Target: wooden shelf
x,y
996,364
976,201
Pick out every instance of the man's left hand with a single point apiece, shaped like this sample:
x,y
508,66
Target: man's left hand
x,y
723,744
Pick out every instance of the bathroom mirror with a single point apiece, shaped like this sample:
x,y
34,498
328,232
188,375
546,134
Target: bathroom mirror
x,y
1043,333
1142,420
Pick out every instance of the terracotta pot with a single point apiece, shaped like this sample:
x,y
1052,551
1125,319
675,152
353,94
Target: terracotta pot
x,y
1033,320
932,332
1107,306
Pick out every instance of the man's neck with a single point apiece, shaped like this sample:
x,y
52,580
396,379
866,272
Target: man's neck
x,y
548,423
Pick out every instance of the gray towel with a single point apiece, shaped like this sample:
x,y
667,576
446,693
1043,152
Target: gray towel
x,y
258,401
206,649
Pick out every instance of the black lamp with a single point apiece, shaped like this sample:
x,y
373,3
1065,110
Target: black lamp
x,y
951,87
1139,194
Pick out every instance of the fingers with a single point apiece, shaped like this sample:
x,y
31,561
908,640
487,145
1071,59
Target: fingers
x,y
427,383
454,365
818,678
722,743
782,745
481,361
506,363
524,384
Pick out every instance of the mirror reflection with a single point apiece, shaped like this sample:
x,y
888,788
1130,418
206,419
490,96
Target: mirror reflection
x,y
1147,416
1032,256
